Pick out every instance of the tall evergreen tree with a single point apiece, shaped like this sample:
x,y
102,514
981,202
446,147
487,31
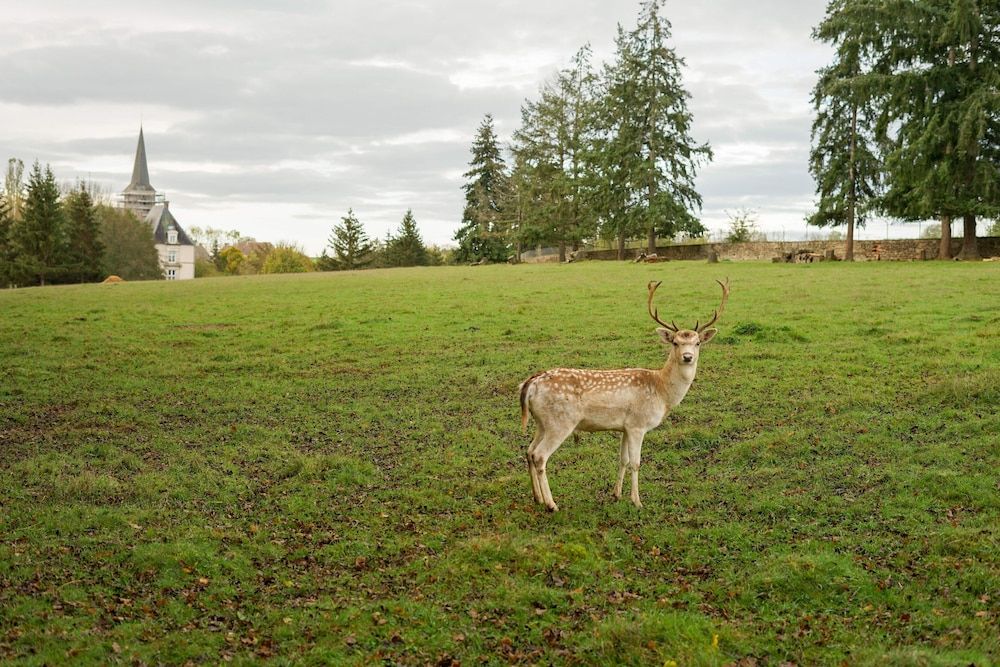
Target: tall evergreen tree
x,y
938,62
406,248
514,207
617,197
649,158
482,234
39,237
550,150
844,159
86,251
351,247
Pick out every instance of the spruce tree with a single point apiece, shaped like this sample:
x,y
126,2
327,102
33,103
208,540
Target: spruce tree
x,y
844,159
550,150
86,251
938,63
614,152
406,248
350,243
482,234
39,238
649,158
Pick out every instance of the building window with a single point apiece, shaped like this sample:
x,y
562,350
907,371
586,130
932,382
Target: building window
x,y
171,274
171,256
171,236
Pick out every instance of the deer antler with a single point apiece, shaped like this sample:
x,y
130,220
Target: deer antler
x,y
654,313
721,308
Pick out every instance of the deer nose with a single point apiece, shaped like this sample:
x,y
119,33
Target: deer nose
x,y
687,357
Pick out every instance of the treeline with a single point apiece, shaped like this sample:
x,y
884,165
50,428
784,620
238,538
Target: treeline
x,y
50,236
350,245
908,115
353,249
603,152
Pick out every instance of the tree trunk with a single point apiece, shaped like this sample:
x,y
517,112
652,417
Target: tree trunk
x,y
562,251
970,245
944,250
621,245
651,239
849,252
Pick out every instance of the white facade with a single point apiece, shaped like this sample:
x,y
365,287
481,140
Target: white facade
x,y
177,261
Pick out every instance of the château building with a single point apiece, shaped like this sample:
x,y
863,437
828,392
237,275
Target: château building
x,y
172,243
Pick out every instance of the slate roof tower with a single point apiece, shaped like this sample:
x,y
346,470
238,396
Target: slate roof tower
x,y
139,196
175,247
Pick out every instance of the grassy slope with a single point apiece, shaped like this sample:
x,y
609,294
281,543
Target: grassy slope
x,y
330,468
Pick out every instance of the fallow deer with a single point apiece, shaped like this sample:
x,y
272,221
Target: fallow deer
x,y
630,400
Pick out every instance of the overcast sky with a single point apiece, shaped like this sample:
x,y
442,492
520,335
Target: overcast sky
x,y
275,120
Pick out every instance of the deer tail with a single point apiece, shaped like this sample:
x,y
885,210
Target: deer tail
x,y
524,387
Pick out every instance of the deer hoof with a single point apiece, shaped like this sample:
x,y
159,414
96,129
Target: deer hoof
x,y
553,507
637,503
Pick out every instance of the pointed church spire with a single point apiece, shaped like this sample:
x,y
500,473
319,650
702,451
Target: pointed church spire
x,y
140,172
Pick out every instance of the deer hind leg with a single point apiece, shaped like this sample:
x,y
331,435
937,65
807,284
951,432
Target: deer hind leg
x,y
622,466
536,488
634,439
551,439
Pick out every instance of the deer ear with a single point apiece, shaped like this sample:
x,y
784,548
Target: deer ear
x,y
666,336
708,334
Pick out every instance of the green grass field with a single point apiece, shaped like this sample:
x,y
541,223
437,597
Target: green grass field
x,y
330,469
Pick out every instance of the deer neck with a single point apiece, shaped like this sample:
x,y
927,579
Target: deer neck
x,y
677,379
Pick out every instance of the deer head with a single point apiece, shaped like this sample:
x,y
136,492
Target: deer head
x,y
685,343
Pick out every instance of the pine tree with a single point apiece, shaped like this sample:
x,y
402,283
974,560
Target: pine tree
x,y
39,237
843,159
550,151
350,243
406,248
85,255
649,159
514,207
614,152
938,63
482,234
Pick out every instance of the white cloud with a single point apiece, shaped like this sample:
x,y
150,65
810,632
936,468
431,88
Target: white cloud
x,y
520,71
447,135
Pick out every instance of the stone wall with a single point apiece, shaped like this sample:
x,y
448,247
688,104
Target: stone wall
x,y
894,249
